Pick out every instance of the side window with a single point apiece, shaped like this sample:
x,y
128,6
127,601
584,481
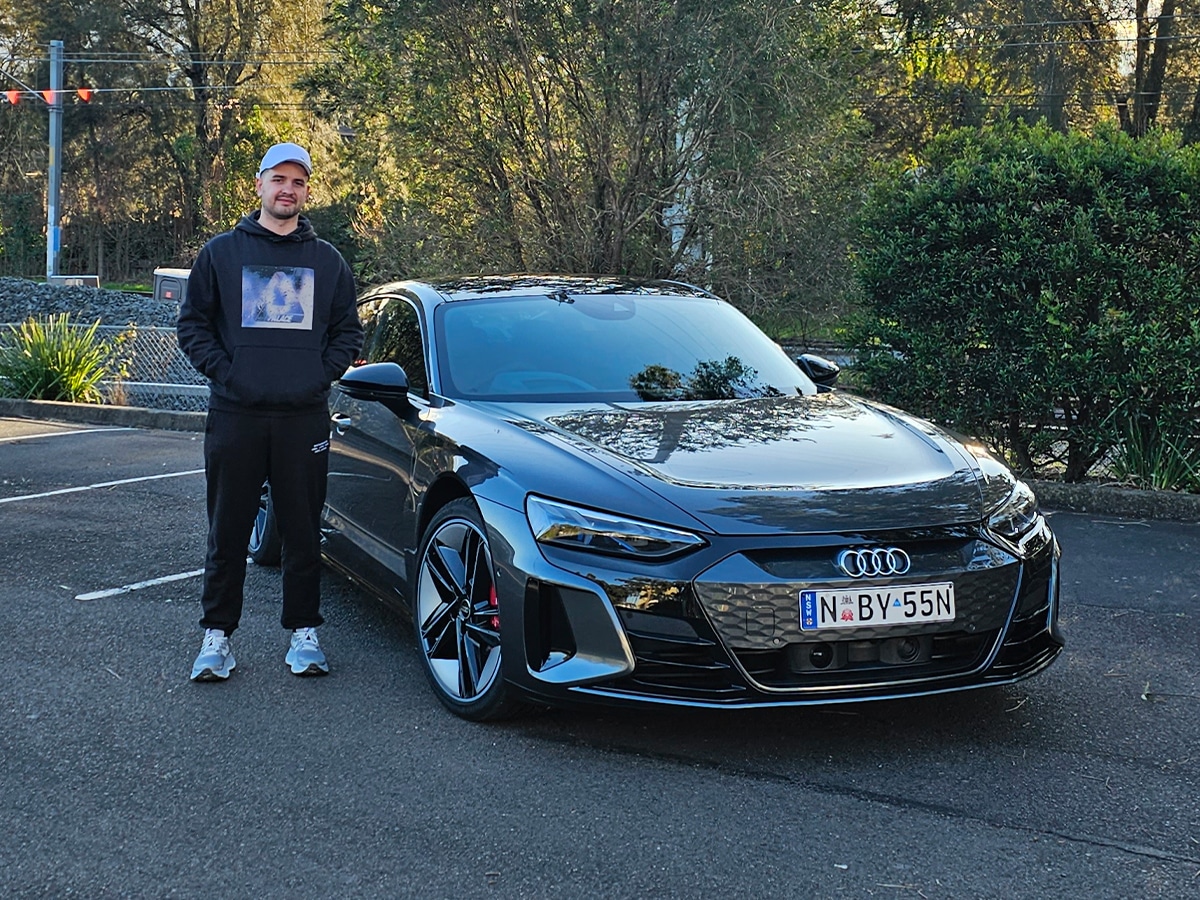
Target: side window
x,y
392,333
368,314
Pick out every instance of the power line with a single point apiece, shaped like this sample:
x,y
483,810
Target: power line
x,y
177,61
1060,23
332,55
1081,42
306,58
181,60
186,104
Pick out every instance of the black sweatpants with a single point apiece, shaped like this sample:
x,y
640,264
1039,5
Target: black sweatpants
x,y
241,451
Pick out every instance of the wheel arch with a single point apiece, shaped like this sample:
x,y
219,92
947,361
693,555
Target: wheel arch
x,y
445,489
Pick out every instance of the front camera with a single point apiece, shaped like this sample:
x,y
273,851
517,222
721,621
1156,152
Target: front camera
x,y
820,656
908,649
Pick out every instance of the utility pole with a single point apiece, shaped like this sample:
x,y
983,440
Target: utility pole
x,y
54,182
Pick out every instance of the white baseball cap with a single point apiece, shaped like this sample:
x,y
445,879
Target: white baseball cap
x,y
284,153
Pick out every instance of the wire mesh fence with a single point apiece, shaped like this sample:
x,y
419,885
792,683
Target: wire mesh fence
x,y
157,374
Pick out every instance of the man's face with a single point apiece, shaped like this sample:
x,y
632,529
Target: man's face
x,y
283,190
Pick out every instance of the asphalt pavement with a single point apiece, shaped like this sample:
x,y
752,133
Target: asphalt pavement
x,y
120,778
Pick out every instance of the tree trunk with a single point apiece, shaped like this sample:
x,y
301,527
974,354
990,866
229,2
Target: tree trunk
x,y
1151,67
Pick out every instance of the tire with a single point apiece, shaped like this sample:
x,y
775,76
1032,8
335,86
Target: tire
x,y
456,616
266,547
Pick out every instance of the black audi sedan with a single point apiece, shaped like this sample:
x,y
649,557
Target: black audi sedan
x,y
593,489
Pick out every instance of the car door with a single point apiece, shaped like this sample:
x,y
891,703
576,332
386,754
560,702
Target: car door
x,y
371,499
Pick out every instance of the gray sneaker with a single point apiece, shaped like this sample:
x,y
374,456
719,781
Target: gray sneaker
x,y
304,655
215,661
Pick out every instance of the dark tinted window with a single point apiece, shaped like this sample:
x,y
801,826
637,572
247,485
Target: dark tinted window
x,y
612,347
392,333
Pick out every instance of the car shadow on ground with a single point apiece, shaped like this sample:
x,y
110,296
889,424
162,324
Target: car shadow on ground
x,y
987,716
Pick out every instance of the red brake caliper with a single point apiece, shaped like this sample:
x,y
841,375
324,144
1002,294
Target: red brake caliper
x,y
492,602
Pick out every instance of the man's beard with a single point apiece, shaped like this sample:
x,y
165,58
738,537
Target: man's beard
x,y
284,213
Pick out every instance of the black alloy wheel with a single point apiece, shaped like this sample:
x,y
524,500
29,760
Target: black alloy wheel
x,y
457,616
266,547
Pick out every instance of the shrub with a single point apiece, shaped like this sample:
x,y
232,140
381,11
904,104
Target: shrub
x,y
1038,290
57,360
1156,459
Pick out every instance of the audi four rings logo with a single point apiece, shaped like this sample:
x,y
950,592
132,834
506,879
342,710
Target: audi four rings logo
x,y
873,562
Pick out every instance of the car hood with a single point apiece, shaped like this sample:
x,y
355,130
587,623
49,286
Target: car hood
x,y
829,462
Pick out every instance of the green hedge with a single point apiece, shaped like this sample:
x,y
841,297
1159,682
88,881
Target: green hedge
x,y
1040,290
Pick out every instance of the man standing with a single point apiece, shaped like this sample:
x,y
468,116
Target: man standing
x,y
270,320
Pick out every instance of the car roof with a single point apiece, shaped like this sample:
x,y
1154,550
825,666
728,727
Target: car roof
x,y
472,287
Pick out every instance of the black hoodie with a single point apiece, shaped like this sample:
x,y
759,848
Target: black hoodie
x,y
270,320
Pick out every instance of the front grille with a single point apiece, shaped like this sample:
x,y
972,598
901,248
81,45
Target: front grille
x,y
752,602
766,617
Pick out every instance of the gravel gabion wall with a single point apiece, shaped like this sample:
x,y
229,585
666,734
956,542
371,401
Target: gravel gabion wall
x,y
20,299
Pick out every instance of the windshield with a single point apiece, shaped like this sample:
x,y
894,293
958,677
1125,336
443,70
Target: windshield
x,y
608,348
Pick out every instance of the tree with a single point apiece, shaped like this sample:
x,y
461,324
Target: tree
x,y
662,139
957,63
189,94
22,151
1151,49
219,50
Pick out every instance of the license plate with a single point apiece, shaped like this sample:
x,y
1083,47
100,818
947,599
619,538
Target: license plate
x,y
880,606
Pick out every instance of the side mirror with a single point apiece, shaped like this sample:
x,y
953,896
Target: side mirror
x,y
384,382
822,372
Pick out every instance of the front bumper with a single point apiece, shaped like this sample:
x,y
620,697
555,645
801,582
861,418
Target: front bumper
x,y
721,628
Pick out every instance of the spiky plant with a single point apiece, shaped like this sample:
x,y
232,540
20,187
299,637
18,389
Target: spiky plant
x,y
54,359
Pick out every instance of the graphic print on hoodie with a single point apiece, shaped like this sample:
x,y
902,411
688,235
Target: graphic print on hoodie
x,y
278,297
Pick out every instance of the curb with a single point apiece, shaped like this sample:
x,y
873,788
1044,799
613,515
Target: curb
x,y
95,414
1098,499
1113,500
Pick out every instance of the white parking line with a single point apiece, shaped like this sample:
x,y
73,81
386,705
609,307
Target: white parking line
x,y
102,484
46,434
125,589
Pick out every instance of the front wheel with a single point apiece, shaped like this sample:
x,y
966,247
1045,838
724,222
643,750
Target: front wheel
x,y
457,616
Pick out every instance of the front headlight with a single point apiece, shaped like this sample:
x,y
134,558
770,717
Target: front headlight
x,y
1010,505
1017,514
575,528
